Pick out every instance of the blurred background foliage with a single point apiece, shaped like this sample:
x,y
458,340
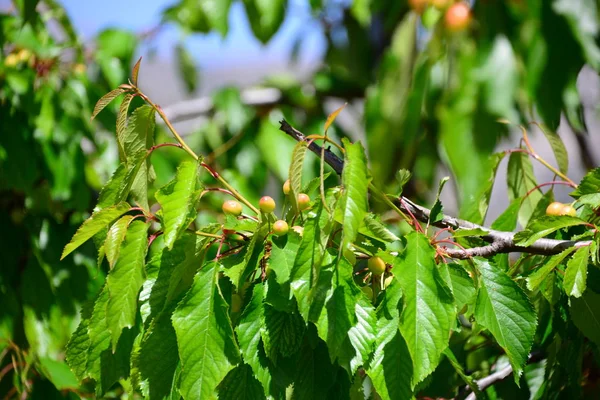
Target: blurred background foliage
x,y
420,97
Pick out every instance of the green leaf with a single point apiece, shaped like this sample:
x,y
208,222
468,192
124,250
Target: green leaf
x,y
576,272
125,280
590,184
122,124
265,17
104,365
391,369
79,343
207,347
178,201
94,224
283,254
378,229
469,232
362,334
314,373
138,136
281,333
504,309
544,226
521,180
353,204
135,71
58,373
463,286
541,273
402,176
106,100
585,312
114,238
240,384
238,266
507,221
429,310
118,187
187,68
157,359
475,208
296,172
558,148
248,333
437,210
461,372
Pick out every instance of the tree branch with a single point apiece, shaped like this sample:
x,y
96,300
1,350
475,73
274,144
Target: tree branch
x,y
500,241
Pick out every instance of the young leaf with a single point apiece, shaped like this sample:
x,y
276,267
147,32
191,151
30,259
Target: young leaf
x,y
541,273
178,201
207,347
585,312
543,227
105,100
138,136
378,229
94,224
504,309
331,117
391,369
558,147
135,71
353,204
125,280
576,272
296,172
118,187
436,214
122,124
402,176
187,68
521,180
429,309
114,238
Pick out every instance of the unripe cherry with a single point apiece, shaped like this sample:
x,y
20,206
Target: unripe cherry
x,y
266,204
554,208
232,207
376,265
568,210
280,228
303,201
368,291
286,187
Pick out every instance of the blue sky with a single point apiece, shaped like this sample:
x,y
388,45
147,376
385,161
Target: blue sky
x,y
91,16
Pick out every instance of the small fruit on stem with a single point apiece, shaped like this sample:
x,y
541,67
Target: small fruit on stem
x,y
376,265
298,229
236,303
232,207
554,208
457,17
303,201
286,187
266,204
568,210
280,228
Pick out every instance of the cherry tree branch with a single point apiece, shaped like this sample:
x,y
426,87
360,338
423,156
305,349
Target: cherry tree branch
x,y
499,241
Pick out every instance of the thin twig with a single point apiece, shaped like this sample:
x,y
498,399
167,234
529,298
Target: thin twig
x,y
500,241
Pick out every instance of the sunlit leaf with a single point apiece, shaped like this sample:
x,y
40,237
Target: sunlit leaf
x,y
504,309
541,273
178,201
331,117
429,311
295,175
94,224
205,338
106,100
558,148
125,280
576,273
543,227
114,238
